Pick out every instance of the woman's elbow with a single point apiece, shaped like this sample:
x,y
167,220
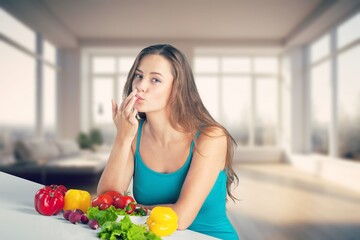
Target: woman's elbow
x,y
184,223
185,216
183,226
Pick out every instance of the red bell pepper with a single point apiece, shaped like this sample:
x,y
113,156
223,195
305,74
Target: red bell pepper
x,y
49,200
59,188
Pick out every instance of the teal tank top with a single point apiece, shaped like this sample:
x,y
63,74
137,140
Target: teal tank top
x,y
153,188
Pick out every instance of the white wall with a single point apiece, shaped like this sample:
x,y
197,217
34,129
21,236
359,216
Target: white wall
x,y
294,100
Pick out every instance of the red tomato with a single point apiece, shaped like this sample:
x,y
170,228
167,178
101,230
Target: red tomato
x,y
122,202
104,206
102,199
113,194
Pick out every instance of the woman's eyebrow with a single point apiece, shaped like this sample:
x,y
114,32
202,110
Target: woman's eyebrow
x,y
157,73
137,69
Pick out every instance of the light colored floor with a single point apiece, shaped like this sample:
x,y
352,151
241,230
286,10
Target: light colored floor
x,y
279,202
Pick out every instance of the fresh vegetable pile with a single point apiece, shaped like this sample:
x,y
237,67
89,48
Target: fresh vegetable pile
x,y
103,211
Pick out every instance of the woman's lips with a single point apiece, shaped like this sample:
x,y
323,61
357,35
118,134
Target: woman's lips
x,y
139,97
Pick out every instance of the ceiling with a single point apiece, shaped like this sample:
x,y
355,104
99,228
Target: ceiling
x,y
185,19
275,22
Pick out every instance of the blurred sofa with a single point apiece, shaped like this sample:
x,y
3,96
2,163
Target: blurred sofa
x,y
56,161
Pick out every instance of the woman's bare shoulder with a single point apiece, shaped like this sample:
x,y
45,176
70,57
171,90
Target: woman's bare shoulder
x,y
211,147
213,131
212,136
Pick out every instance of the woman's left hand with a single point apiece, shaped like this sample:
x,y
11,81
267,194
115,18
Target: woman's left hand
x,y
124,117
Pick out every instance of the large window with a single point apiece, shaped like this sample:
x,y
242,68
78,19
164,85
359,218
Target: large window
x,y
335,88
17,92
208,87
320,49
241,92
266,111
103,92
25,92
237,118
108,77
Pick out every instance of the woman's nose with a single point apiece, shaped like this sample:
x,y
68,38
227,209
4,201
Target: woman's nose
x,y
141,85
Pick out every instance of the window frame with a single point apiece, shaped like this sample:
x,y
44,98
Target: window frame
x,y
87,55
40,62
253,75
332,57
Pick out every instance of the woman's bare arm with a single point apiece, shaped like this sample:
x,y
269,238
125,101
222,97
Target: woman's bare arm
x,y
118,170
120,166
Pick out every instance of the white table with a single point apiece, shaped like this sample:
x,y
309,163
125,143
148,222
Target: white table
x,y
20,220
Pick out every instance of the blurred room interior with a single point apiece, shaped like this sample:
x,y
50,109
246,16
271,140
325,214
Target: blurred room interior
x,y
283,76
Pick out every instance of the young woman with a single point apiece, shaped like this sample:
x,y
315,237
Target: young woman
x,y
167,142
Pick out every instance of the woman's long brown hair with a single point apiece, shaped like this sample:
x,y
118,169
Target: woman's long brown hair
x,y
187,111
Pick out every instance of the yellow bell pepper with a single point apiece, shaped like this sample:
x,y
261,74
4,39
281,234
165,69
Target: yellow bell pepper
x,y
163,221
77,199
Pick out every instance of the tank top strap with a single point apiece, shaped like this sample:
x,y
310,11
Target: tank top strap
x,y
193,141
141,123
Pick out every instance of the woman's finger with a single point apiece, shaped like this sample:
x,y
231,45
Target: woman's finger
x,y
132,118
128,98
119,109
130,106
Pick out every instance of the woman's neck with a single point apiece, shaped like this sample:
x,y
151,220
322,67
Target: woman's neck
x,y
161,131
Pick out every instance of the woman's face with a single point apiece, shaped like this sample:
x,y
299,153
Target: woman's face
x,y
153,80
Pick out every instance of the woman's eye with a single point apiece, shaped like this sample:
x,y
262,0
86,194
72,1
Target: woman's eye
x,y
137,76
156,80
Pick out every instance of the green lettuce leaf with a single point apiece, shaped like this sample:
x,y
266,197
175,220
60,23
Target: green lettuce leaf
x,y
126,230
102,216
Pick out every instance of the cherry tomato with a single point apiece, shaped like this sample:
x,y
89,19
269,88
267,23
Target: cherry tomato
x,y
104,206
102,199
113,194
130,208
123,201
